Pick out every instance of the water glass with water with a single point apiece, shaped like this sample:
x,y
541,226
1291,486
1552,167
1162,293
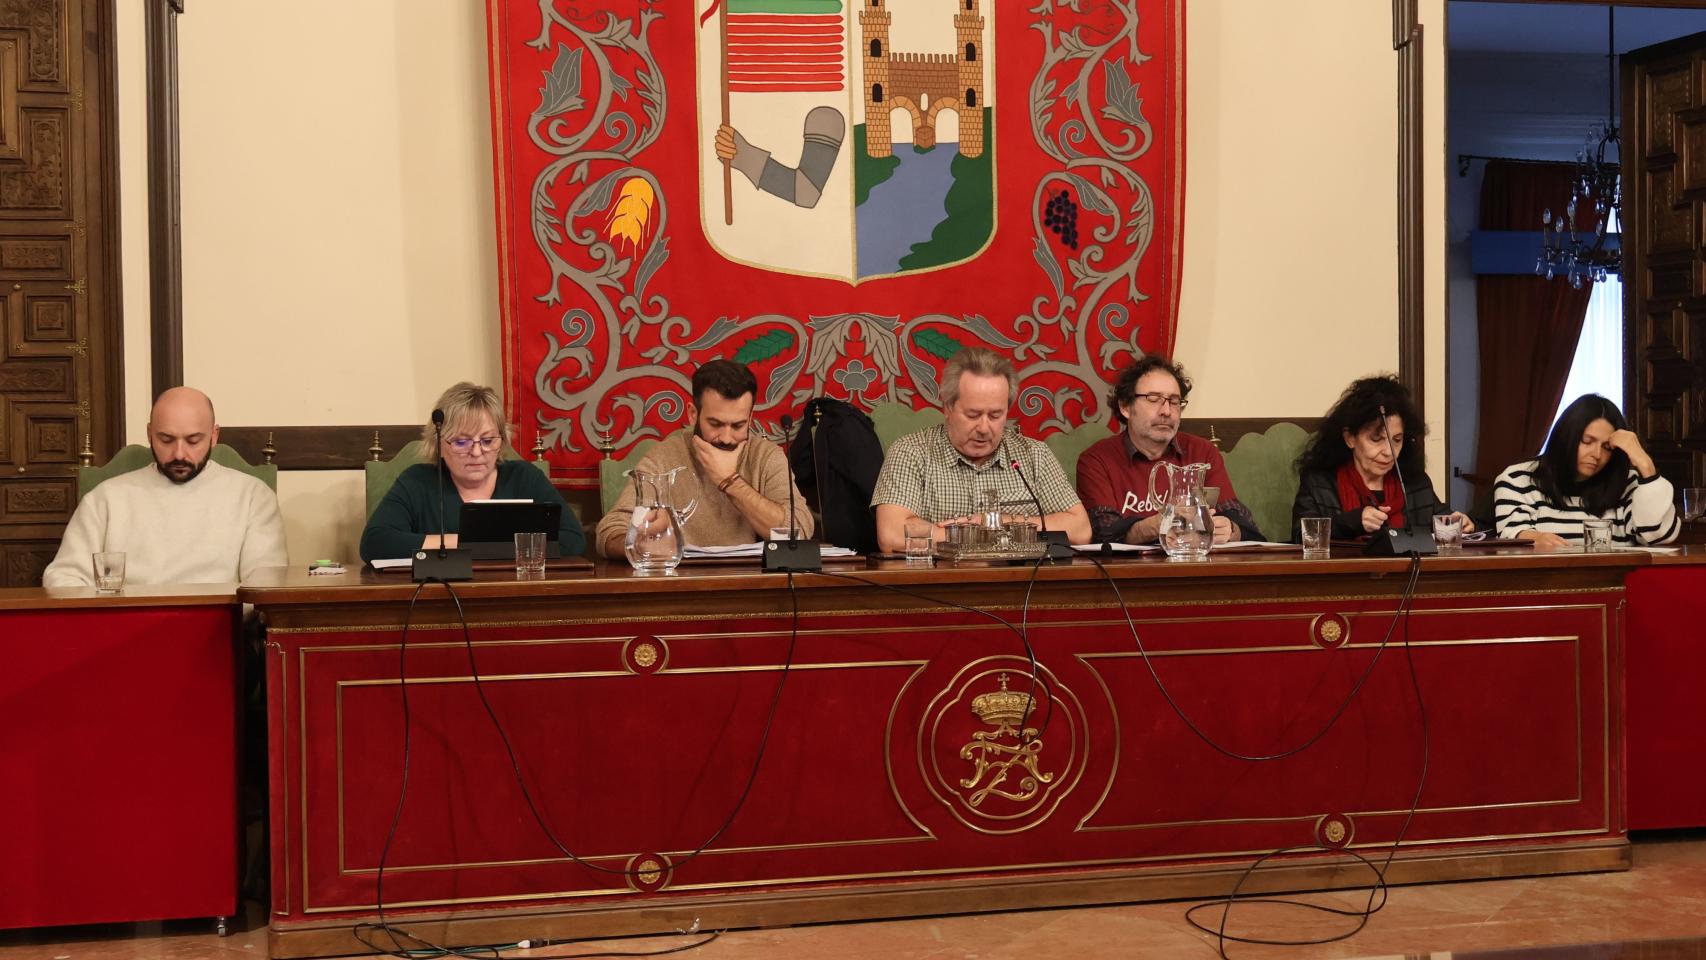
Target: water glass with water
x,y
1596,536
1317,537
1693,503
1448,533
918,540
109,571
529,555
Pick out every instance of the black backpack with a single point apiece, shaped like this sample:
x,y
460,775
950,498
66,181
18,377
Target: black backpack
x,y
836,458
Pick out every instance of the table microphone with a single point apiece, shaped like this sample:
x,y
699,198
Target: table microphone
x,y
1059,548
448,564
792,553
1390,541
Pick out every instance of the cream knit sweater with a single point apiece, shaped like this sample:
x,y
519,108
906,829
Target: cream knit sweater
x,y
218,528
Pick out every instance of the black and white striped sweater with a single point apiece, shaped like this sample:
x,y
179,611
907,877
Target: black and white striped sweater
x,y
1645,515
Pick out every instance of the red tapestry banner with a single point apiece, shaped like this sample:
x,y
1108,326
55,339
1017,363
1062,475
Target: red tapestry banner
x,y
838,193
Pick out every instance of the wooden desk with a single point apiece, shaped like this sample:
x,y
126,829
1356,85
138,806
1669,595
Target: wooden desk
x,y
635,706
1665,675
118,738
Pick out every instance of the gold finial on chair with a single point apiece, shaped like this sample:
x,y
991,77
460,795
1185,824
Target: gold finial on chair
x,y
1213,437
86,456
538,449
268,451
606,443
377,451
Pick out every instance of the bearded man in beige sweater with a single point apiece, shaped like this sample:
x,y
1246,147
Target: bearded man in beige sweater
x,y
185,519
738,482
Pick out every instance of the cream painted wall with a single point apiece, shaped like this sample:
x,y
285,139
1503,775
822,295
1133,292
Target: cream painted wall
x,y
1435,195
339,240
1290,218
133,213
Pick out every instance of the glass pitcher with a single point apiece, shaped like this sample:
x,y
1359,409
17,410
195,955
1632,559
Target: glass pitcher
x,y
1187,522
654,543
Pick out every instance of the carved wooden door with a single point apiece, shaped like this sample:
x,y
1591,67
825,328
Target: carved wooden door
x,y
1664,244
60,362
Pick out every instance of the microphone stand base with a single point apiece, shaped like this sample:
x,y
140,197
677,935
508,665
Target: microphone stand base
x,y
455,564
796,555
1059,548
1389,542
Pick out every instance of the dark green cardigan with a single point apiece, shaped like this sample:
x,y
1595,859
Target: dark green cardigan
x,y
409,511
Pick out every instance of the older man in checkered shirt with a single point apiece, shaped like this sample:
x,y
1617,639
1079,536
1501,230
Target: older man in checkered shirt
x,y
941,473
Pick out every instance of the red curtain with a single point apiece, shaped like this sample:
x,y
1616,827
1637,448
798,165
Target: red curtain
x,y
1528,325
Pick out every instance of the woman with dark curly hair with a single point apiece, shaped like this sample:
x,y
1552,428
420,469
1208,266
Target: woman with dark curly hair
x,y
1346,471
1593,467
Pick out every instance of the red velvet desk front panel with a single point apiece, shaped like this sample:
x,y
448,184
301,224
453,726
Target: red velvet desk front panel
x,y
636,713
1667,711
118,740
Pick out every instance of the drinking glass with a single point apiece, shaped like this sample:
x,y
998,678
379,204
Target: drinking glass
x,y
529,555
109,571
1693,503
1596,535
1448,533
1317,537
918,543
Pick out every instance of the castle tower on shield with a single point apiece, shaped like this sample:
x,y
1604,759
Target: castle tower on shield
x,y
923,84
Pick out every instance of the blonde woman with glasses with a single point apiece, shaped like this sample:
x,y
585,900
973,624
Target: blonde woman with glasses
x,y
473,439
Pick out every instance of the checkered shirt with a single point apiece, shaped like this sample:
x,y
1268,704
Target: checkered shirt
x,y
925,474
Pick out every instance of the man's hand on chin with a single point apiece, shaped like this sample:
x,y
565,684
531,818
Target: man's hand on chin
x,y
716,463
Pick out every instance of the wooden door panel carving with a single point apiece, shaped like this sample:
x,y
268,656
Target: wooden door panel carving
x,y
1664,157
59,324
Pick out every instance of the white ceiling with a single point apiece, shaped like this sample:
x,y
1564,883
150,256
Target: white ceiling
x,y
1476,26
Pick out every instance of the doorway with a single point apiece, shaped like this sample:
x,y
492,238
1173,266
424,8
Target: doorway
x,y
1531,82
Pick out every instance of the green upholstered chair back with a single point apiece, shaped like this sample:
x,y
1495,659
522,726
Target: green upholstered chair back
x,y
613,473
1263,468
891,421
136,456
1069,445
382,473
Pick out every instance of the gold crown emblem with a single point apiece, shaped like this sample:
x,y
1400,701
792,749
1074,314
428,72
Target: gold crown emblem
x,y
1001,708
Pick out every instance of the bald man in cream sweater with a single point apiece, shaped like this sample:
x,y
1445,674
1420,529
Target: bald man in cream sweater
x,y
185,519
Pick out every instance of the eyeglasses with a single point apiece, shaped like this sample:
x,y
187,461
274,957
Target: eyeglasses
x,y
1163,399
466,445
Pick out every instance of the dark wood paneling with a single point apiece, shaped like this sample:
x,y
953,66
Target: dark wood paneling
x,y
319,448
61,354
1664,311
1407,41
165,256
1230,429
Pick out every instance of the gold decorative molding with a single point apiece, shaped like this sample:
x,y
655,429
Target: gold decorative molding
x,y
1330,631
1334,830
645,655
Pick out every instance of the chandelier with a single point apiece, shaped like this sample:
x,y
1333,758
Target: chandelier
x,y
1596,190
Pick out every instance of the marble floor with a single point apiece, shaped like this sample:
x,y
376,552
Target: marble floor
x,y
1657,911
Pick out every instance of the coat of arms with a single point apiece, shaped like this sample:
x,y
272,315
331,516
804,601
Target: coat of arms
x,y
846,139
1005,759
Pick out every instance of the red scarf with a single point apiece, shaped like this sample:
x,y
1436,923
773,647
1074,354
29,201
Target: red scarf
x,y
1354,494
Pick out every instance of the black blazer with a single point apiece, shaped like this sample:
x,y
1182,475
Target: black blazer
x,y
1318,496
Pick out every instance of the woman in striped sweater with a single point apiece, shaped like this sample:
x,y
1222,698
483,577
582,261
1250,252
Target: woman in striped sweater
x,y
1593,467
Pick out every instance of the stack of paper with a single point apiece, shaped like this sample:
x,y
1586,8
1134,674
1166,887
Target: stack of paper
x,y
753,550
